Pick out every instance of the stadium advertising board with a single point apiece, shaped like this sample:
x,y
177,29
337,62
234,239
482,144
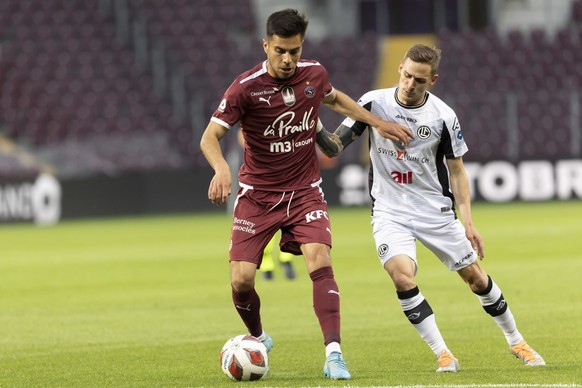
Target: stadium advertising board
x,y
495,181
38,201
45,200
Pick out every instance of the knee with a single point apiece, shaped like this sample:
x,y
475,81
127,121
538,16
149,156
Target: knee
x,y
479,285
402,281
242,281
401,270
316,256
477,281
240,285
323,258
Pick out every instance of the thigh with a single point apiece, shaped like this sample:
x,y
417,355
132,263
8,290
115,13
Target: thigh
x,y
393,238
448,242
253,226
307,222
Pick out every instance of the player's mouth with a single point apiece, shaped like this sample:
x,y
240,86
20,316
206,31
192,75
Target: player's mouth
x,y
287,70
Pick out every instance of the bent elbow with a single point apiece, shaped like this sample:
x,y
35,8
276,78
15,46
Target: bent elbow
x,y
330,153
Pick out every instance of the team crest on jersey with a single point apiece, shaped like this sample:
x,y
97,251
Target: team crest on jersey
x,y
423,132
309,91
288,96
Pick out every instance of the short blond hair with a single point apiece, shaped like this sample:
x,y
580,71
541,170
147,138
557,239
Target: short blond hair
x,y
421,53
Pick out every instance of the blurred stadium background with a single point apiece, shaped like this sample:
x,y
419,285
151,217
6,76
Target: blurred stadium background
x,y
103,102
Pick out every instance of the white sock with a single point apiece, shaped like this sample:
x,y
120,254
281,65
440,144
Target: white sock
x,y
262,337
431,334
428,328
332,347
505,321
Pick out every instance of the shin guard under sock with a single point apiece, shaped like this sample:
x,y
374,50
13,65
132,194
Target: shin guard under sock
x,y
326,303
248,306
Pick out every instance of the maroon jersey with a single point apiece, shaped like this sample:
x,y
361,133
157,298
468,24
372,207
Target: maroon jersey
x,y
278,118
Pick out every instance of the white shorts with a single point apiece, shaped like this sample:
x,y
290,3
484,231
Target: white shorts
x,y
446,239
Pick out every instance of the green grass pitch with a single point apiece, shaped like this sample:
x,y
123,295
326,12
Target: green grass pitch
x,y
145,302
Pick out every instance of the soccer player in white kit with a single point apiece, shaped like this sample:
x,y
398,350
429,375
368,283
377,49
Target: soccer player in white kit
x,y
415,190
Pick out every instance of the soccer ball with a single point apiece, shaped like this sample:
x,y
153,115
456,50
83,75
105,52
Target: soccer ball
x,y
244,358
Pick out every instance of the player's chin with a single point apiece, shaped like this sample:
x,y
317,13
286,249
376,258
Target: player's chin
x,y
286,72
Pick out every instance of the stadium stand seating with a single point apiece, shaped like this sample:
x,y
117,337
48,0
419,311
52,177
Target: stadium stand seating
x,y
73,95
515,95
577,12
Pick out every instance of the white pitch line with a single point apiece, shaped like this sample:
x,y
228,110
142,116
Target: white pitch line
x,y
482,386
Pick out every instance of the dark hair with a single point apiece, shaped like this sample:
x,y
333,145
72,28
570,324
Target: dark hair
x,y
287,23
421,53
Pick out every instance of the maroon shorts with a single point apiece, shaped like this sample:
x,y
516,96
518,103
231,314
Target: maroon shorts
x,y
301,215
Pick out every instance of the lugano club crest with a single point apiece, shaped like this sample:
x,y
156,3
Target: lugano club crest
x,y
423,132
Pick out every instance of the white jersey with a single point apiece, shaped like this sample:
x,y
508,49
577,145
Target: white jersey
x,y
412,181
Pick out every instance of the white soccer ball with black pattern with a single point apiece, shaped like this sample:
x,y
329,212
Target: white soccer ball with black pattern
x,y
244,358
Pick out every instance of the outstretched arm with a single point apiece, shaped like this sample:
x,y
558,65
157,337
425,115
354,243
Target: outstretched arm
x,y
331,144
342,103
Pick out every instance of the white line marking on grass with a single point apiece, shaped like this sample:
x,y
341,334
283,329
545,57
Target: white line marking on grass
x,y
481,386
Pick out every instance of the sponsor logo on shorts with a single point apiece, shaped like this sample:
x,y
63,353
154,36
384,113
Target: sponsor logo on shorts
x,y
316,215
243,226
464,259
382,250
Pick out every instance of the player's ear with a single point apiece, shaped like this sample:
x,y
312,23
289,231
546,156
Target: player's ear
x,y
265,46
434,79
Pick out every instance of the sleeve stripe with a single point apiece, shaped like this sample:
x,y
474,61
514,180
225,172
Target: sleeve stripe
x,y
219,121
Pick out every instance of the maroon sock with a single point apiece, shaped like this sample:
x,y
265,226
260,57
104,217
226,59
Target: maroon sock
x,y
326,303
248,306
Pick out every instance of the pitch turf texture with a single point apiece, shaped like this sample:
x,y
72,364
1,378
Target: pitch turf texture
x,y
145,302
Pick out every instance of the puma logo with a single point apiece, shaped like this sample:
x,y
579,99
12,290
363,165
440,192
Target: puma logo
x,y
267,100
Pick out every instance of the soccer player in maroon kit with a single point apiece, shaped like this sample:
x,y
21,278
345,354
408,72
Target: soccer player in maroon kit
x,y
277,104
